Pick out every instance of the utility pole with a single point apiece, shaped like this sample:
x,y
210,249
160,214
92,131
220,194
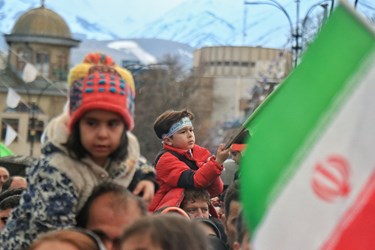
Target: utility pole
x,y
32,127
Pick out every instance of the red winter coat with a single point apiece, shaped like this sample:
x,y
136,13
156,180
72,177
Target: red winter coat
x,y
173,176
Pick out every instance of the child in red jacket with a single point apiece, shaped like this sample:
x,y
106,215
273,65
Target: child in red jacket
x,y
182,164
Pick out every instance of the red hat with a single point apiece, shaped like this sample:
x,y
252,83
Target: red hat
x,y
102,88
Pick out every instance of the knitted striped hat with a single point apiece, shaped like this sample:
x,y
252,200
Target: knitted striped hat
x,y
98,83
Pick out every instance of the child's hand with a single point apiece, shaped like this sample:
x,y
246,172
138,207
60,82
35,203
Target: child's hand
x,y
146,189
222,154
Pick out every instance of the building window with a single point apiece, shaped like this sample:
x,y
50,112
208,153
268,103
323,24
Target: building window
x,y
23,56
42,63
11,122
245,64
60,69
35,129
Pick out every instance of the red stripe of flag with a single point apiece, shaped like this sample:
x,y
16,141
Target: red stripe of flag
x,y
356,229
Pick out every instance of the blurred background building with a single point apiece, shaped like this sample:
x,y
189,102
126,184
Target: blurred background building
x,y
42,38
240,78
222,85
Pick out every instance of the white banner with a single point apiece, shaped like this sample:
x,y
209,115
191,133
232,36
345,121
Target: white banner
x,y
10,135
12,98
29,73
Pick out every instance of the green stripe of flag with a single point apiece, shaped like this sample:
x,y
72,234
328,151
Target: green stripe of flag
x,y
284,123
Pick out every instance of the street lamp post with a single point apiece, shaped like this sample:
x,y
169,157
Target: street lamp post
x,y
34,105
324,5
296,32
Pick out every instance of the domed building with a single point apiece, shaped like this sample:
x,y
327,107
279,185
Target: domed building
x,y
40,39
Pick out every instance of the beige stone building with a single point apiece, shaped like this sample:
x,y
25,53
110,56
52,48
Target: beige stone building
x,y
236,75
42,38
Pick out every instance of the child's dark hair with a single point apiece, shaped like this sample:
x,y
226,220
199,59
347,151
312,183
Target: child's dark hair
x,y
165,121
242,137
78,151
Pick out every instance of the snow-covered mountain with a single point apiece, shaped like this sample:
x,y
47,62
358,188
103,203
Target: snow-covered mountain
x,y
89,21
194,22
145,51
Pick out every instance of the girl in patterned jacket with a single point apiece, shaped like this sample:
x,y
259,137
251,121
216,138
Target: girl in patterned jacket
x,y
182,164
101,102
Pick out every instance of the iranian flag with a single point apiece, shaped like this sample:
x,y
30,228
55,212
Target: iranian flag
x,y
308,174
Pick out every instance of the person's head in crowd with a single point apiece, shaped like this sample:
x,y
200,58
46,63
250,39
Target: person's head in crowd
x,y
231,166
4,175
196,203
218,203
68,239
9,199
11,192
164,231
15,182
109,210
219,224
216,236
242,241
238,146
57,130
209,227
101,105
173,210
182,164
229,172
232,207
172,126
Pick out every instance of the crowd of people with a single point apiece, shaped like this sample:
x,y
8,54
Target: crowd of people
x,y
89,189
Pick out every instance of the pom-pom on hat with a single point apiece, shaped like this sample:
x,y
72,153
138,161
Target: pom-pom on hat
x,y
98,83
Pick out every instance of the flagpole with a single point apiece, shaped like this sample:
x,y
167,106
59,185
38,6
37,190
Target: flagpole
x,y
237,135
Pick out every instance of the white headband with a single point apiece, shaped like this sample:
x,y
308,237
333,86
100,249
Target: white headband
x,y
184,122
